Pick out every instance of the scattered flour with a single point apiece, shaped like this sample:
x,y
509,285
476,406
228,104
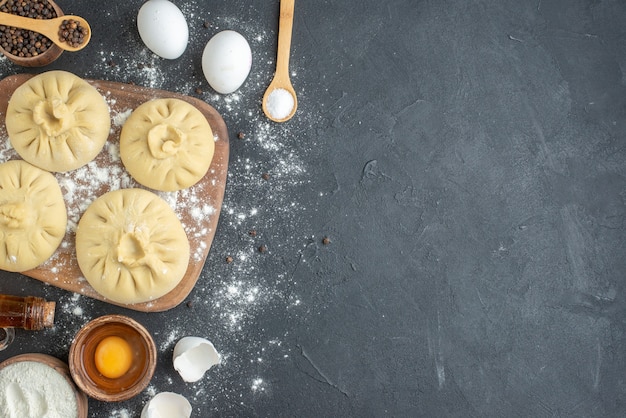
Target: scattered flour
x,y
258,385
120,117
171,339
121,413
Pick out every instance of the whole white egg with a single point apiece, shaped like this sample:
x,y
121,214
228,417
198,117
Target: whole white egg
x,y
163,28
226,61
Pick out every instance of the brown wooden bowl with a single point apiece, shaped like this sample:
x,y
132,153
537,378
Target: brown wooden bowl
x,y
82,364
50,55
60,367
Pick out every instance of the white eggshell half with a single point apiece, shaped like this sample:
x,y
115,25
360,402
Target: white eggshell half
x,y
167,405
226,61
163,28
193,356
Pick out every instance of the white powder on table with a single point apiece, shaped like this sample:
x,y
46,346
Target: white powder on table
x,y
280,103
29,389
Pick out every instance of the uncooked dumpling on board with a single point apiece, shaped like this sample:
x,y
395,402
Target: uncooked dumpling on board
x,y
57,121
167,144
131,246
33,217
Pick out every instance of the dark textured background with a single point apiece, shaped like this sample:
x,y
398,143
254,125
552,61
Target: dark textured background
x,y
466,160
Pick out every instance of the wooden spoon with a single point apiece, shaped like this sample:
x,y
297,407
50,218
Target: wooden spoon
x,y
281,77
48,28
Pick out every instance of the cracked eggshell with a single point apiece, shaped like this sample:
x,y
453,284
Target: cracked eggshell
x,y
193,356
167,405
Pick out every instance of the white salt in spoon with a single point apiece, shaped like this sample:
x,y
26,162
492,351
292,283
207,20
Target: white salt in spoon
x,y
280,101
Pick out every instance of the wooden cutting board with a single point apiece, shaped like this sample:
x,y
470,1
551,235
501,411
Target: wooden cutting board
x,y
198,207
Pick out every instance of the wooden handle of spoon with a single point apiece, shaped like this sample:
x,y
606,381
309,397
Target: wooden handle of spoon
x,y
285,27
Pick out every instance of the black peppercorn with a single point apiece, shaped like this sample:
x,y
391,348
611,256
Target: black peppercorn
x,y
72,32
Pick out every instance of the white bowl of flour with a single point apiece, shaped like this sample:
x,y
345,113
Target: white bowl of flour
x,y
34,385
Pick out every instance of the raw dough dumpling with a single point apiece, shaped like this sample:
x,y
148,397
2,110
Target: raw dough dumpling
x,y
131,247
33,217
57,121
167,144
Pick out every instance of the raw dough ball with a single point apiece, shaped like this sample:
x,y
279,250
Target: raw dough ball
x,y
57,121
167,144
131,247
32,216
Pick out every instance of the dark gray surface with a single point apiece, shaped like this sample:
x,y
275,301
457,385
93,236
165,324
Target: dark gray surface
x,y
466,159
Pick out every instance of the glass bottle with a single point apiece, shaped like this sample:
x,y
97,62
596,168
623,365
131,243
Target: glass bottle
x,y
28,312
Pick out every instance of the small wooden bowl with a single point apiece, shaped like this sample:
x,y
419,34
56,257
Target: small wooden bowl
x,y
50,55
58,366
82,364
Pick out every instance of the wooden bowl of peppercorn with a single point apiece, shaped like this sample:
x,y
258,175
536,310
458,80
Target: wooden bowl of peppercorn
x,y
25,47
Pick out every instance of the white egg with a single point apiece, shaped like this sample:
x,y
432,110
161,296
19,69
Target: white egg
x,y
167,405
193,356
226,61
163,28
